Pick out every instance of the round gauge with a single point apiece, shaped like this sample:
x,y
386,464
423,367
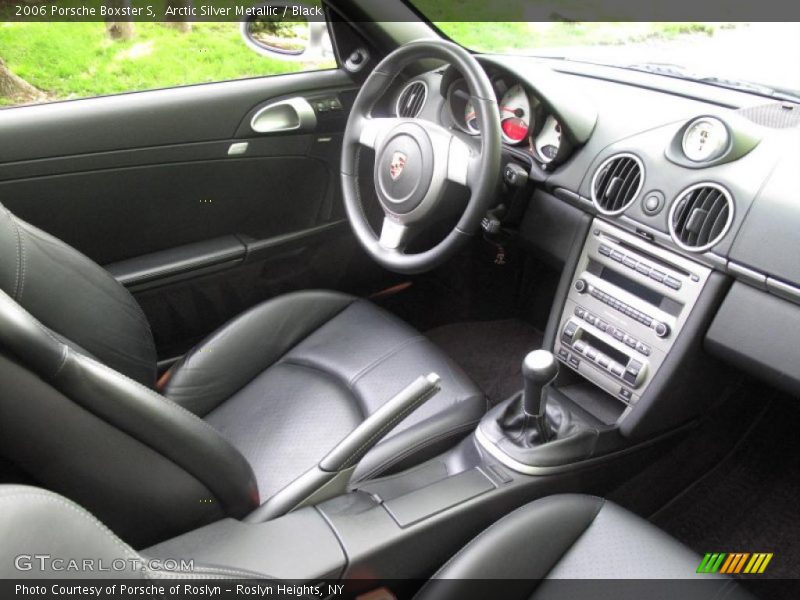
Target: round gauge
x,y
705,139
515,115
548,141
471,118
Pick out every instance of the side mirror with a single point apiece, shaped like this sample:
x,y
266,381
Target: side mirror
x,y
287,30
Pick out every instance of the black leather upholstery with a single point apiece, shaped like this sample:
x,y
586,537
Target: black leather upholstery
x,y
311,366
253,406
546,548
46,536
75,298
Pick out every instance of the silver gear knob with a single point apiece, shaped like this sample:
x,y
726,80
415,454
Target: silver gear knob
x,y
539,368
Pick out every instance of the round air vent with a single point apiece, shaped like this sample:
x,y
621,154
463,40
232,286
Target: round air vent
x,y
617,183
411,99
700,216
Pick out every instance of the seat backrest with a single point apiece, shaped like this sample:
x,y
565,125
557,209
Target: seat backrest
x,y
82,418
75,298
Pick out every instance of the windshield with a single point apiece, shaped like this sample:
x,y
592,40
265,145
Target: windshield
x,y
727,54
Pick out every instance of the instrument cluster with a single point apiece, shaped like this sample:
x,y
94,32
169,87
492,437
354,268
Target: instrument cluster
x,y
524,120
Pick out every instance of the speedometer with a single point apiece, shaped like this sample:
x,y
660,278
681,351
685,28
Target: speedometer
x,y
515,115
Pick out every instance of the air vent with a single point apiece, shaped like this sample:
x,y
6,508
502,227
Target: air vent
x,y
700,216
411,100
616,183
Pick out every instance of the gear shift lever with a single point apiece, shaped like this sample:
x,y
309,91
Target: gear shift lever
x,y
539,369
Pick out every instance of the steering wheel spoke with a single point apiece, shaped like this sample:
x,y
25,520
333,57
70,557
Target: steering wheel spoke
x,y
394,234
463,162
374,130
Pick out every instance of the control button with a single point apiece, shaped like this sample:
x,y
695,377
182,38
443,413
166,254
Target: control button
x,y
642,348
632,372
695,278
617,369
574,361
611,329
652,204
625,393
591,319
620,335
579,312
603,361
629,262
617,256
579,346
648,321
562,353
657,275
604,250
602,325
591,354
569,332
629,341
662,330
643,269
580,286
673,283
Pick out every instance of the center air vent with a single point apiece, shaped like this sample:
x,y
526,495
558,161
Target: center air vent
x,y
616,183
700,216
411,99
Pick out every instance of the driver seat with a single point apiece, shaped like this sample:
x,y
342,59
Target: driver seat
x,y
248,410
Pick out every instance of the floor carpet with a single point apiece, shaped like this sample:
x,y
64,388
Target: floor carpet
x,y
490,352
750,502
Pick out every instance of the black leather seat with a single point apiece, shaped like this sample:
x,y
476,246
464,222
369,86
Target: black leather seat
x,y
565,547
573,546
243,414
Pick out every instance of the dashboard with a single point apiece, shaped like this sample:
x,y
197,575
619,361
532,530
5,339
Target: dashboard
x,y
703,179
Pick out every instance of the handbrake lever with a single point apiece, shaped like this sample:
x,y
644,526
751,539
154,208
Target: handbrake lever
x,y
331,477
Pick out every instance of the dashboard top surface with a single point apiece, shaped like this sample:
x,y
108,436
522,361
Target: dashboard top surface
x,y
603,112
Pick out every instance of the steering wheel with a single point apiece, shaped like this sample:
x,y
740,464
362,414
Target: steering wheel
x,y
415,158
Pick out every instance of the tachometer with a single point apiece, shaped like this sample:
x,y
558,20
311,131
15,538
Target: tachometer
x,y
515,115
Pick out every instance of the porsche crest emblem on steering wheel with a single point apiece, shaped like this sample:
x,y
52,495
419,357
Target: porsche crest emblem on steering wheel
x,y
397,165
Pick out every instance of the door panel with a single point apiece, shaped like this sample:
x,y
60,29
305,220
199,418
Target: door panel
x,y
115,214
146,184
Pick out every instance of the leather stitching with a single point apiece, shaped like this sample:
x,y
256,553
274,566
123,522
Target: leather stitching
x,y
20,256
389,353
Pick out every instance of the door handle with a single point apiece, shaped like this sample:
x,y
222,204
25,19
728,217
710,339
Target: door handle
x,y
293,114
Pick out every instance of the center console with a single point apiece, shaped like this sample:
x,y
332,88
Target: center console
x,y
628,301
627,326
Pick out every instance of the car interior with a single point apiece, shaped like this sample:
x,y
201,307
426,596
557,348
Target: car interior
x,y
350,326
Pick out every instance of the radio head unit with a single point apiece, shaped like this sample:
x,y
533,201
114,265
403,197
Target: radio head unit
x,y
628,301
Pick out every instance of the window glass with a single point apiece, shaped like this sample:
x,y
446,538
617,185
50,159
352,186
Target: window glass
x,y
45,62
